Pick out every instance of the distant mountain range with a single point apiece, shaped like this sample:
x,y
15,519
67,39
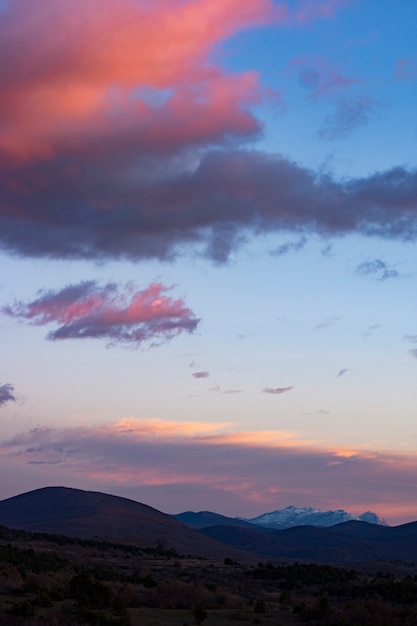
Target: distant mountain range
x,y
307,516
87,514
280,519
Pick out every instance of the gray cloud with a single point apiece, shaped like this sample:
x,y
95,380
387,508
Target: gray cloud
x,y
289,246
228,195
6,394
378,268
201,374
329,321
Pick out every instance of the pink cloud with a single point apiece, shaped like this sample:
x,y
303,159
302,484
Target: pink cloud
x,y
6,394
88,310
119,135
76,68
170,465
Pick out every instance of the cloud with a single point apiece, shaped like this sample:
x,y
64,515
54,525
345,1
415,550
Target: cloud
x,y
289,246
88,81
6,394
347,117
413,339
328,322
378,268
88,310
351,106
201,374
79,212
276,390
170,465
134,146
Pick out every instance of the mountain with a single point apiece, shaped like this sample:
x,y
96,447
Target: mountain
x,y
207,518
349,542
89,514
307,516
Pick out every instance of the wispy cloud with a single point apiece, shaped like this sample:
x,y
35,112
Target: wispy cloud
x,y
290,246
7,394
277,390
170,465
328,322
377,268
351,105
88,310
202,374
413,339
309,10
347,117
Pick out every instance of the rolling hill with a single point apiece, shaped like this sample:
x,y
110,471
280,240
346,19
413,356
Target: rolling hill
x,y
87,514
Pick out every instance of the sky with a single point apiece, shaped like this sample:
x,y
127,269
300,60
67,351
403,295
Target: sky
x,y
208,225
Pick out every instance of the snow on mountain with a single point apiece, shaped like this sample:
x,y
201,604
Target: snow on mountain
x,y
308,516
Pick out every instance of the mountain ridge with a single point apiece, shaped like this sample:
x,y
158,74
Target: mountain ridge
x,y
279,519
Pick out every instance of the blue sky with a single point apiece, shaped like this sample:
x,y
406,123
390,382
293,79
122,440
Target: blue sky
x,y
207,235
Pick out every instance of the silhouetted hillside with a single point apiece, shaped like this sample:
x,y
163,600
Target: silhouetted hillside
x,y
350,542
77,513
202,519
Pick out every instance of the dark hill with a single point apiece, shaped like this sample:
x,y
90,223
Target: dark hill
x,y
87,514
202,519
349,542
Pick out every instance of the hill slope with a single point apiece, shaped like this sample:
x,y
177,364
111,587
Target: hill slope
x,y
77,513
349,542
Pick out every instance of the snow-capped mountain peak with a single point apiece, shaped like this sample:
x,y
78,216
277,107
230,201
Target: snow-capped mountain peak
x,y
308,516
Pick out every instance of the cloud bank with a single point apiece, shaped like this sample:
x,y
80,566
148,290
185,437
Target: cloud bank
x,y
170,465
87,310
